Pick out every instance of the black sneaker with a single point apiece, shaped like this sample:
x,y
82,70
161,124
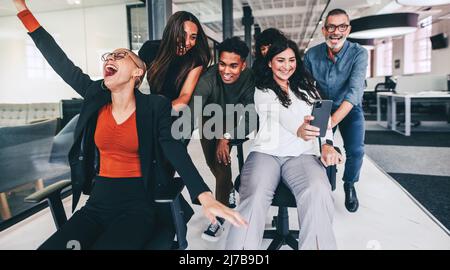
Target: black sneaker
x,y
214,231
232,199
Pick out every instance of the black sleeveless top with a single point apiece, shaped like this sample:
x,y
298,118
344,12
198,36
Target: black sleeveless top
x,y
148,53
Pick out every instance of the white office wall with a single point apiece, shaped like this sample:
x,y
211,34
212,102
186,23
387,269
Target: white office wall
x,y
440,59
84,34
398,55
383,58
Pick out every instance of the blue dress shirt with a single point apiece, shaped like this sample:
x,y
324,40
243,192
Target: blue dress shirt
x,y
340,80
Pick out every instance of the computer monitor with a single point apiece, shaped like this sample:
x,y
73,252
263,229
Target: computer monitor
x,y
439,41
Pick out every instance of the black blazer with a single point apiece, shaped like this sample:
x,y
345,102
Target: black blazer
x,y
153,121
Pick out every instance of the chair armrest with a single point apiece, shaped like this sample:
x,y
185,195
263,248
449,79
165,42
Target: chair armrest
x,y
331,172
35,121
240,151
45,193
169,193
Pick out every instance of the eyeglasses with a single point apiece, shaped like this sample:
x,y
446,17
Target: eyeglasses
x,y
331,27
117,56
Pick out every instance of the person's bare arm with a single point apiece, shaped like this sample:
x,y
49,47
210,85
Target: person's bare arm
x,y
187,89
341,113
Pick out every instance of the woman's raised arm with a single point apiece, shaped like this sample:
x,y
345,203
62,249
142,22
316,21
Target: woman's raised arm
x,y
51,51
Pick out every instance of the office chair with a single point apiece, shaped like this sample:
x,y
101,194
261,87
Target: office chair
x,y
69,109
370,98
52,194
24,152
283,198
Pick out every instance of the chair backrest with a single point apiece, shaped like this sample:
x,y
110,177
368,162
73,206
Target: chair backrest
x,y
372,82
70,108
42,111
24,151
21,114
13,114
62,142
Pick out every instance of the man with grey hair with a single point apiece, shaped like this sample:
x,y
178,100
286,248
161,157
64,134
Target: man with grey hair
x,y
339,67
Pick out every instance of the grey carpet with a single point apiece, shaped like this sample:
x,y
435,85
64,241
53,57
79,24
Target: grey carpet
x,y
431,191
420,163
437,139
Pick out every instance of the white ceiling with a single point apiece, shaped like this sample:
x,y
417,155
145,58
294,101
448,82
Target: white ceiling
x,y
298,19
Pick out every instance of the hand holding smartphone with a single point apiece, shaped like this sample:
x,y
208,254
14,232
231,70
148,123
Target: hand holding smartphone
x,y
321,112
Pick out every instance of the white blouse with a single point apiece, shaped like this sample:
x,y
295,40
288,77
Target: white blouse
x,y
278,126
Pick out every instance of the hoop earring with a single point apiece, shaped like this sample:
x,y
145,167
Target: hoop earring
x,y
103,86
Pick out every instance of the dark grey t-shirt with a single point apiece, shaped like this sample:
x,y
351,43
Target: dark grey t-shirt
x,y
212,90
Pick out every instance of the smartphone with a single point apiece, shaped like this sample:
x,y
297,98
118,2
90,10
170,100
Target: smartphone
x,y
321,112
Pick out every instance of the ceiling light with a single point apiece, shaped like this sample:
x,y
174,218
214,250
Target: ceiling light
x,y
384,25
426,3
74,2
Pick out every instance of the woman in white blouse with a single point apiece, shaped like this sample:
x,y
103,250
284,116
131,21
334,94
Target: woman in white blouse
x,y
285,150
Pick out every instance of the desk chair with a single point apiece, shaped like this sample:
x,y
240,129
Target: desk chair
x,y
369,102
24,152
52,194
283,198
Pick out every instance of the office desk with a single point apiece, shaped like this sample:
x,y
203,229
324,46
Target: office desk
x,y
408,99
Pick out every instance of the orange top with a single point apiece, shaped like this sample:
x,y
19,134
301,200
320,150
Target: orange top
x,y
28,20
118,145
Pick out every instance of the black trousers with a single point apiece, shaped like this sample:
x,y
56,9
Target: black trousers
x,y
118,215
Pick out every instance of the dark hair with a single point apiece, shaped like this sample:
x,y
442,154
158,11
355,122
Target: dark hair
x,y
173,35
301,79
336,11
234,45
267,37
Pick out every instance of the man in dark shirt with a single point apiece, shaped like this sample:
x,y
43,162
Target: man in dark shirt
x,y
229,85
339,67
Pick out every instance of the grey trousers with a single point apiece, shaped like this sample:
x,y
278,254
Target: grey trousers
x,y
306,178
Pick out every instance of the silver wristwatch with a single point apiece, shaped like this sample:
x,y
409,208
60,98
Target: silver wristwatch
x,y
227,136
